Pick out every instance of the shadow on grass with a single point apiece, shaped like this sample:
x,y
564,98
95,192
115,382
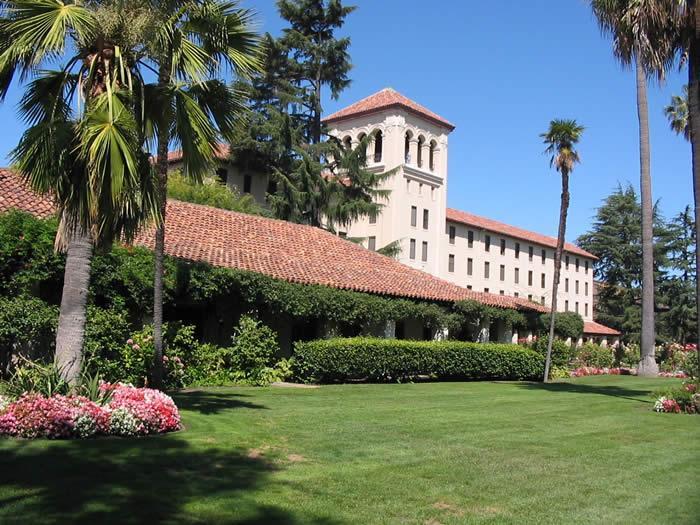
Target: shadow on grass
x,y
160,479
207,402
632,394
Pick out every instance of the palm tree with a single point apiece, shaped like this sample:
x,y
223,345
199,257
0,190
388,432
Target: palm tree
x,y
635,26
561,139
82,145
677,114
195,41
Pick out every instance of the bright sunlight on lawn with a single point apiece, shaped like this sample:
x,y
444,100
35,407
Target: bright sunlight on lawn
x,y
588,450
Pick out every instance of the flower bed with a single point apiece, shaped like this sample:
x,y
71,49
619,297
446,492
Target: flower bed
x,y
127,411
683,399
595,371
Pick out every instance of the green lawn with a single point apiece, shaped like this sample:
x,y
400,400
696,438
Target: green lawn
x,y
588,450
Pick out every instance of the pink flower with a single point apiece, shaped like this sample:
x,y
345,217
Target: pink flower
x,y
130,341
136,347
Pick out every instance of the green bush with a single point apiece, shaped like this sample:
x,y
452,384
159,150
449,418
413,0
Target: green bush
x,y
34,377
594,355
395,360
562,352
566,324
253,350
27,328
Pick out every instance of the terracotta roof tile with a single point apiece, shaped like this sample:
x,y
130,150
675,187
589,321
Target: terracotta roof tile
x,y
384,99
222,152
491,225
14,194
282,250
593,328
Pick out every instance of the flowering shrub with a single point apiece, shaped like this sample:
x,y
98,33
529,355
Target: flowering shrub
x,y
130,412
678,399
596,371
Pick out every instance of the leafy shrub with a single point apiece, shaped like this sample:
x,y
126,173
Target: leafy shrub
x,y
562,352
106,332
628,355
253,351
566,324
34,378
394,360
27,329
594,356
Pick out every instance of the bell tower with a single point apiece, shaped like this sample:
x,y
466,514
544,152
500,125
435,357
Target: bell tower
x,y
412,139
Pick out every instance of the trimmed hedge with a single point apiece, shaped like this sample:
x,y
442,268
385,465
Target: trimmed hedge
x,y
373,359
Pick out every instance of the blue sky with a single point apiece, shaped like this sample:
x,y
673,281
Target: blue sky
x,y
500,75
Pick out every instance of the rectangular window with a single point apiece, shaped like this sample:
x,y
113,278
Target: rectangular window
x,y
469,287
503,272
451,263
424,254
516,294
566,306
576,306
566,285
486,290
529,278
542,300
542,279
517,276
222,175
585,289
414,216
501,292
425,219
343,235
577,263
470,239
487,243
585,309
517,250
586,267
487,270
544,256
566,259
372,243
576,287
503,246
247,183
470,266
412,250
372,218
529,297
453,234
530,253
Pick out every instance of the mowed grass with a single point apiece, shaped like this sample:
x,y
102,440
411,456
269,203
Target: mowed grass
x,y
583,451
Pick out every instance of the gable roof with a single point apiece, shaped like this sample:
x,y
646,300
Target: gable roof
x,y
491,225
282,250
593,328
384,99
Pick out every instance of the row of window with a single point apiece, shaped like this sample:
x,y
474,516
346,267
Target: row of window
x,y
516,275
530,297
222,175
379,148
531,250
414,217
412,250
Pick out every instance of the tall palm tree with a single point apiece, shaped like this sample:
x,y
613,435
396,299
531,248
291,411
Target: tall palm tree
x,y
194,44
82,144
635,26
561,139
677,114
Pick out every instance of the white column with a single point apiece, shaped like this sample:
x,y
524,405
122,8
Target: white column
x,y
412,151
425,156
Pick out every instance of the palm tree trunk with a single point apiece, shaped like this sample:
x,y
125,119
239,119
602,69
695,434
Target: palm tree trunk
x,y
561,235
162,190
694,115
71,320
647,364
